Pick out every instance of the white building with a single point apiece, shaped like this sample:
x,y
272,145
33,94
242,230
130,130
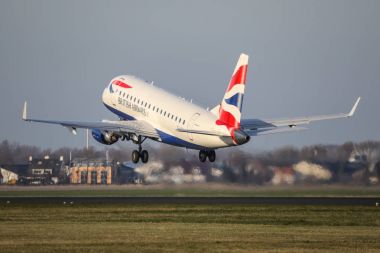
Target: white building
x,y
7,176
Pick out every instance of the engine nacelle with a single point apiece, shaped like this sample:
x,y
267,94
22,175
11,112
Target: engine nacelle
x,y
241,137
105,137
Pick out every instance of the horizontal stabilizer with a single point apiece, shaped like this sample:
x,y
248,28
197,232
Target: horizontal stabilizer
x,y
274,131
254,124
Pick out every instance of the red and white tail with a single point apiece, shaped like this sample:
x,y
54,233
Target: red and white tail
x,y
231,106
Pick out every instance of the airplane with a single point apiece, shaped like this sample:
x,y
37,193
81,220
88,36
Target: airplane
x,y
148,112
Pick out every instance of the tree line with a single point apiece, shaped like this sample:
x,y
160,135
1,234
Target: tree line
x,y
238,165
16,153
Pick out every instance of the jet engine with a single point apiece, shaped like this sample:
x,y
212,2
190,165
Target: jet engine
x,y
105,137
241,137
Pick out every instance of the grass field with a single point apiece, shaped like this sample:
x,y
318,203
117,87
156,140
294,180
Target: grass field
x,y
188,228
197,190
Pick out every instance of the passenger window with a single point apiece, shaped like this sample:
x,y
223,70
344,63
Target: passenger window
x,y
183,123
154,108
172,116
176,118
149,106
161,111
138,101
127,96
146,104
134,100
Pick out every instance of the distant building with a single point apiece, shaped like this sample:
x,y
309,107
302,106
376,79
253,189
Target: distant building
x,y
127,174
90,171
10,173
155,172
283,176
42,171
8,177
36,171
18,169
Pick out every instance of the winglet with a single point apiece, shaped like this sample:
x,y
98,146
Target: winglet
x,y
24,111
354,107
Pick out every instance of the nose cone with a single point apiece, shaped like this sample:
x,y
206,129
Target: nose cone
x,y
105,95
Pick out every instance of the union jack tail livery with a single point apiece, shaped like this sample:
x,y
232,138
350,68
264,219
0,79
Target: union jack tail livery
x,y
231,106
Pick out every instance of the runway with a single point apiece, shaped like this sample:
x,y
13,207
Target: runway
x,y
355,201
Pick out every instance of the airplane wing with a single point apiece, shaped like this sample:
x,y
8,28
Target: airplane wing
x,y
138,127
255,127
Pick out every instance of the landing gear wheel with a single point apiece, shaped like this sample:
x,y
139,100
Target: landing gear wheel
x,y
144,156
202,156
211,156
135,156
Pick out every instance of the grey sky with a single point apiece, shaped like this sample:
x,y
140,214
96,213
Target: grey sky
x,y
306,57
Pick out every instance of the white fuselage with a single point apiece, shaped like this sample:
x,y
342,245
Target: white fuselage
x,y
136,99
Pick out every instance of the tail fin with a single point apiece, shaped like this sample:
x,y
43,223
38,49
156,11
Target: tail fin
x,y
231,106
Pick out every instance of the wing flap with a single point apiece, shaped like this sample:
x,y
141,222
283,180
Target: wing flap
x,y
135,126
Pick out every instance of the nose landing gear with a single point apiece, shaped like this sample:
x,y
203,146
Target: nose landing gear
x,y
203,154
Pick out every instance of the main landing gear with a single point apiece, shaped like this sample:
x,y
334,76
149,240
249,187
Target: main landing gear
x,y
203,154
140,154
